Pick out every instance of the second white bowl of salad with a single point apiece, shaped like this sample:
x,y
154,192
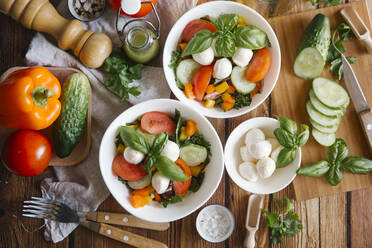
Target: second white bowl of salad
x,y
222,58
161,160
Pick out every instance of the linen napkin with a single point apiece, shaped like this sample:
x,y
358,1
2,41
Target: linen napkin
x,y
81,186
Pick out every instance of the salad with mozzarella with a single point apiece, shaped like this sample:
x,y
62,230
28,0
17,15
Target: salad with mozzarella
x,y
221,62
160,158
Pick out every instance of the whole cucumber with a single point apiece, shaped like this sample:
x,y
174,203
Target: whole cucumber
x,y
70,124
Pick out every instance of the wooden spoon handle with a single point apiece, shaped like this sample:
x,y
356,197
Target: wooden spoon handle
x,y
249,241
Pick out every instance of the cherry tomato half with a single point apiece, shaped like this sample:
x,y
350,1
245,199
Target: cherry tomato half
x,y
27,153
145,8
195,26
126,170
156,122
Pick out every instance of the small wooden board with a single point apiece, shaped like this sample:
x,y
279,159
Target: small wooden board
x,y
81,150
291,93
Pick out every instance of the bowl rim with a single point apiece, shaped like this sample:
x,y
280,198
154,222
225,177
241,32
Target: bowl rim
x,y
228,166
219,147
227,114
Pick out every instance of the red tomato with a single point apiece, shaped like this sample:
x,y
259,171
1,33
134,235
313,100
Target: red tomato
x,y
145,8
27,153
126,170
259,65
195,26
180,188
200,81
157,122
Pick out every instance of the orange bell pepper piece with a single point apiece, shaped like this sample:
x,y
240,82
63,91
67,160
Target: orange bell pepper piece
x,y
188,91
210,89
190,128
227,106
29,99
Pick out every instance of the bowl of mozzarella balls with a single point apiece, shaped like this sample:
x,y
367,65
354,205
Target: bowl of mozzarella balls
x,y
251,152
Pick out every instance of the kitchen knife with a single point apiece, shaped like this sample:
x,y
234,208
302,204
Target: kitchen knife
x,y
360,103
122,236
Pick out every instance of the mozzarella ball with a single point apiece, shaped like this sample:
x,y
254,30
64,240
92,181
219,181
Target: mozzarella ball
x,y
265,167
248,171
204,58
260,150
171,151
132,156
222,68
254,135
160,183
242,56
246,156
274,143
274,155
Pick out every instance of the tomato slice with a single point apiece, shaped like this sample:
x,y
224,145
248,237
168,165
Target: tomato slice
x,y
200,81
157,122
180,188
259,65
195,26
127,171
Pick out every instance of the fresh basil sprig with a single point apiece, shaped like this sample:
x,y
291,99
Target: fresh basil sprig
x,y
251,37
157,147
287,135
201,41
170,169
134,139
226,22
337,161
225,45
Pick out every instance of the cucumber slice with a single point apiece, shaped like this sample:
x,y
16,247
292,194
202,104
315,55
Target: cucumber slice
x,y
309,63
193,154
186,69
320,118
325,139
330,93
320,107
241,84
141,183
324,129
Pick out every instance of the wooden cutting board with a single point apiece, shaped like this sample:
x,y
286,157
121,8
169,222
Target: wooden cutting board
x,y
291,93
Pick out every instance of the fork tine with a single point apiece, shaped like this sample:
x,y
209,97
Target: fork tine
x,y
45,200
25,207
34,216
40,203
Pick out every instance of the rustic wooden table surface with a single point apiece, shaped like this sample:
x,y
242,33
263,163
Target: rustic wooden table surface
x,y
343,220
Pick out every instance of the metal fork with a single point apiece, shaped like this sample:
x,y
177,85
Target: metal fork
x,y
55,210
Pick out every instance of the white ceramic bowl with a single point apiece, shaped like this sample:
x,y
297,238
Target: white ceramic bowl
x,y
214,9
155,212
279,180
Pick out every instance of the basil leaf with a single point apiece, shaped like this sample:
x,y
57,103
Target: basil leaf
x,y
226,22
157,147
134,139
357,165
338,151
201,41
287,124
316,169
334,175
251,37
225,45
303,136
170,169
285,157
285,138
173,199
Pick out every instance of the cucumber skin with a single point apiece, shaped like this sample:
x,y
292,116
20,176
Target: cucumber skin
x,y
70,124
317,35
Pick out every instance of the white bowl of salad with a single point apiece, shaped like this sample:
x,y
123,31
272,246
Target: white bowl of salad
x,y
161,160
222,58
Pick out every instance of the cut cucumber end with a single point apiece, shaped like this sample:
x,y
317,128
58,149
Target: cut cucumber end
x,y
330,93
323,109
324,129
324,139
309,63
239,81
319,117
186,69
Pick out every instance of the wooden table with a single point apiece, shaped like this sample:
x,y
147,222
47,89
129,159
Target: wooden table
x,y
343,220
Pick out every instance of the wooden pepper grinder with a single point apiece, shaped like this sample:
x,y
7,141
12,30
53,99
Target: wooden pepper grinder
x,y
40,15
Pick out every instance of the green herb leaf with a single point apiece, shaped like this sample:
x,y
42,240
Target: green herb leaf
x,y
196,182
251,37
316,169
357,165
134,139
325,2
178,121
287,124
225,45
285,157
285,138
226,22
170,169
337,68
289,204
157,147
175,58
241,100
337,152
334,175
200,42
173,199
303,136
291,224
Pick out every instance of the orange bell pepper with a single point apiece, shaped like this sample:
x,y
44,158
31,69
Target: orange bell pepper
x,y
191,128
29,99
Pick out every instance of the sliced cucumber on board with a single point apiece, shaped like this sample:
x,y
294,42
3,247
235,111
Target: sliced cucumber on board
x,y
320,107
330,93
325,139
186,69
241,84
313,50
320,118
193,154
324,129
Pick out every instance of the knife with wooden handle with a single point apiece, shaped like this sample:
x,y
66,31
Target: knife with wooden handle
x,y
122,235
124,220
359,101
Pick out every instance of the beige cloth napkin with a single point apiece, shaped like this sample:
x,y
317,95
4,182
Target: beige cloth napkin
x,y
81,186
